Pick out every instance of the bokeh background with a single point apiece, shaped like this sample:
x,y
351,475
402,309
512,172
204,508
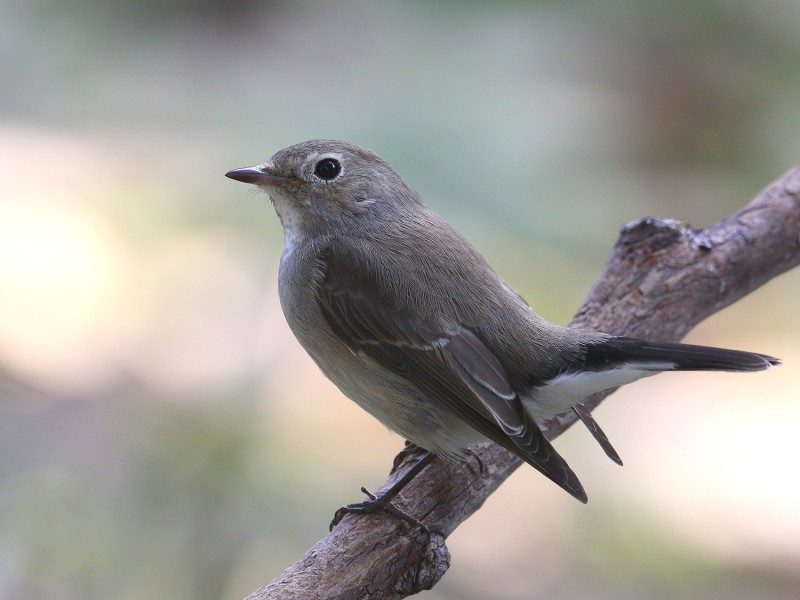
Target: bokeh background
x,y
162,435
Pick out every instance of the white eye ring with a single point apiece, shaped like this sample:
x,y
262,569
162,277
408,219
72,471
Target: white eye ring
x,y
327,167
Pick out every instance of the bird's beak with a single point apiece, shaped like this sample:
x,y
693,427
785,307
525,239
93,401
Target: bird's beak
x,y
259,175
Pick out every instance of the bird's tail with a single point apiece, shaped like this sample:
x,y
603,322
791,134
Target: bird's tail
x,y
620,352
638,357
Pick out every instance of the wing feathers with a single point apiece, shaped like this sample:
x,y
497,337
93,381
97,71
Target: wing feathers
x,y
597,433
451,365
480,370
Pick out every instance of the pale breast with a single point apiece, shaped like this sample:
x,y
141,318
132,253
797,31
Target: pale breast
x,y
392,400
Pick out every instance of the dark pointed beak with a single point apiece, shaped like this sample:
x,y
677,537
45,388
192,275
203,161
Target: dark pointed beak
x,y
255,175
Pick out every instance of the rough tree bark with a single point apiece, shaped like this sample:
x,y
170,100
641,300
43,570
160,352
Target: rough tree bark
x,y
663,277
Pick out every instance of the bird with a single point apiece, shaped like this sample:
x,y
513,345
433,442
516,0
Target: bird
x,y
408,320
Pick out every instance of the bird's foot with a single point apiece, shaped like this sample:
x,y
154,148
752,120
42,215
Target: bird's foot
x,y
475,455
374,504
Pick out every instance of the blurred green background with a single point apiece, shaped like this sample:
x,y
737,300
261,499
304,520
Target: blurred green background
x,y
162,435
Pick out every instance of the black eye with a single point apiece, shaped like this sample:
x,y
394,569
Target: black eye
x,y
327,169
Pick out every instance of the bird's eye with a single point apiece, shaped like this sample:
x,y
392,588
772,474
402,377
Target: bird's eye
x,y
327,169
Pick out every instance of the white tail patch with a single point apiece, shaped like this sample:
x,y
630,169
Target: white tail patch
x,y
564,391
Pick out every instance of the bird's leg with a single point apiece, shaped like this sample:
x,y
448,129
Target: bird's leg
x,y
384,501
410,449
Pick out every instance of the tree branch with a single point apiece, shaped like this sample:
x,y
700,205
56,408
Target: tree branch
x,y
663,277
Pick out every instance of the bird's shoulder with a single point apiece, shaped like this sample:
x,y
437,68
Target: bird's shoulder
x,y
411,258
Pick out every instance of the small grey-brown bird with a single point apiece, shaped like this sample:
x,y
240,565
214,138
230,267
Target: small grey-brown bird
x,y
410,321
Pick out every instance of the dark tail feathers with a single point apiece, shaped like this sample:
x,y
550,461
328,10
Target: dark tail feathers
x,y
619,351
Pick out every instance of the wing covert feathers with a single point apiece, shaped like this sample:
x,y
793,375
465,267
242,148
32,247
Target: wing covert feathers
x,y
451,365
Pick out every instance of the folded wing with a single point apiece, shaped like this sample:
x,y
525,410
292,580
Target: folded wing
x,y
449,363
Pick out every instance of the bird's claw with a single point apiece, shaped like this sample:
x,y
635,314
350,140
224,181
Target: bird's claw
x,y
374,504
